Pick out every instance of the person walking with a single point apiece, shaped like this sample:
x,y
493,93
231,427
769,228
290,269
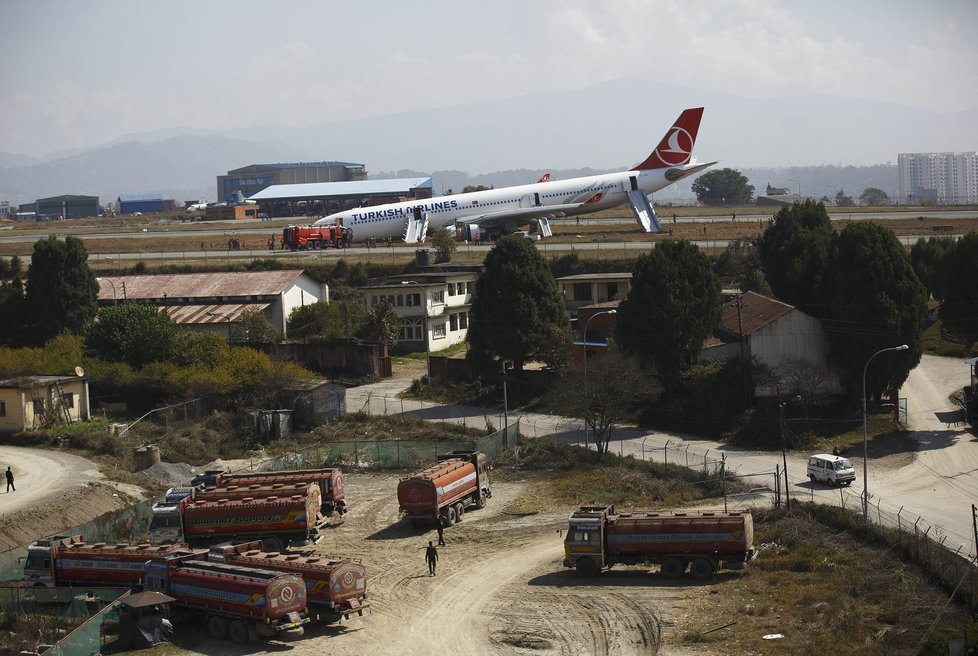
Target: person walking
x,y
10,480
431,556
440,526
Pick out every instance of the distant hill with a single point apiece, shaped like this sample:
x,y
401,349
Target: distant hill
x,y
609,126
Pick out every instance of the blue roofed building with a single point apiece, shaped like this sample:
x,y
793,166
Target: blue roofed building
x,y
145,203
323,198
251,179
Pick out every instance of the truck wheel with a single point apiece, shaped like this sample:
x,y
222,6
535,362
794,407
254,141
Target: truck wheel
x,y
701,568
481,503
450,514
217,627
238,632
459,512
672,568
586,567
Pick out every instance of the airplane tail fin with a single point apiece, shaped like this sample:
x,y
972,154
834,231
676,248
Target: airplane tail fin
x,y
676,147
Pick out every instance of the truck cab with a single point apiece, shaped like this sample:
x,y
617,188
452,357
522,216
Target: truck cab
x,y
39,566
584,542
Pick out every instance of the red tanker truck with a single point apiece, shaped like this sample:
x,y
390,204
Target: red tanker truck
x,y
459,480
240,603
598,537
329,480
66,560
331,236
335,587
277,521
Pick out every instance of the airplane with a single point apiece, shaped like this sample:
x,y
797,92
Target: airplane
x,y
492,212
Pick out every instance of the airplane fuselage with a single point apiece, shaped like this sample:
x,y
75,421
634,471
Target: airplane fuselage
x,y
596,192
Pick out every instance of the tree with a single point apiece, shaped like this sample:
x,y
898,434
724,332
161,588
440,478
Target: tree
x,y
444,245
870,299
793,251
254,327
381,324
959,311
873,196
842,199
612,391
723,187
517,305
11,303
62,292
929,260
132,333
673,305
342,318
741,263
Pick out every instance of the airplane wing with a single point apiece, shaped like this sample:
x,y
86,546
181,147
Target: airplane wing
x,y
502,217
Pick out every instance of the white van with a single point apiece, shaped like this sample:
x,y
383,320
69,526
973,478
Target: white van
x,y
830,469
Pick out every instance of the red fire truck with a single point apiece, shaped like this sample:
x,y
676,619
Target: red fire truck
x,y
309,237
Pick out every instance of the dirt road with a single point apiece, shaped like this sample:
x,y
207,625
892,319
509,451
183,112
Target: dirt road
x,y
41,476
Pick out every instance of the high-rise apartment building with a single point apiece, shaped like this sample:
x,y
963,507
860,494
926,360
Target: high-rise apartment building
x,y
941,178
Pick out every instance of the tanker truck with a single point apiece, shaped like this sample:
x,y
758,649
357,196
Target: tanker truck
x,y
335,587
598,537
329,480
67,560
240,603
277,521
459,480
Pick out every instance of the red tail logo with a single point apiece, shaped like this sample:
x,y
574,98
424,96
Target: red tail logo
x,y
676,147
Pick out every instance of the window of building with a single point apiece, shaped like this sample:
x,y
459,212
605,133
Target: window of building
x,y
582,291
453,322
612,291
463,320
413,300
411,331
438,331
38,406
3,408
460,288
69,400
438,297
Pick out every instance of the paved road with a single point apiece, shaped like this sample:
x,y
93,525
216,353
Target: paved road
x,y
937,488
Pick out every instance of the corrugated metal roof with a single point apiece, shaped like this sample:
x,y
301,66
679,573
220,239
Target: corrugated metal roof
x,y
197,285
217,314
597,276
755,312
357,188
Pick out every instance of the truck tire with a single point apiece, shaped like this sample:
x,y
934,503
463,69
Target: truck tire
x,y
217,627
586,567
701,569
238,632
459,512
481,503
672,568
450,516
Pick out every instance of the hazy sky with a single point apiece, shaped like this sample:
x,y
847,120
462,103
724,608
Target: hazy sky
x,y
78,74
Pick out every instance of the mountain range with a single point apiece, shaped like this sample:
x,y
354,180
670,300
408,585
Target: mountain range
x,y
817,142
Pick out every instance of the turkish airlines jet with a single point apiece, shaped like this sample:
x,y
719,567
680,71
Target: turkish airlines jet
x,y
481,214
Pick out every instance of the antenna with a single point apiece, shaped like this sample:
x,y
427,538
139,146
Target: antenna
x,y
79,371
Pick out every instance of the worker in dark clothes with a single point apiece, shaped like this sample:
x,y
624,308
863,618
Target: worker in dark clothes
x,y
431,555
440,526
10,480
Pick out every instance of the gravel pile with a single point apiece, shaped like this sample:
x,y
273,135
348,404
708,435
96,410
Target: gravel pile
x,y
172,473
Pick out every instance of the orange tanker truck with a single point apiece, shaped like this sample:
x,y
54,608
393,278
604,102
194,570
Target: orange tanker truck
x,y
459,480
335,587
329,480
598,538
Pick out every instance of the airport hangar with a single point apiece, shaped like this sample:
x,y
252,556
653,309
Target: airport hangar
x,y
322,198
253,178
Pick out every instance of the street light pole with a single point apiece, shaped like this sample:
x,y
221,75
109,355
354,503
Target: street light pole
x,y
784,456
424,327
505,406
586,394
902,347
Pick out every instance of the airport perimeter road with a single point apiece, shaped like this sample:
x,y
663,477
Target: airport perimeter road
x,y
937,488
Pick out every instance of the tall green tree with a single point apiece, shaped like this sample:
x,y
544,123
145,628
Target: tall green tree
x,y
723,187
517,308
62,292
342,318
741,263
254,327
671,308
959,311
444,245
874,196
132,333
381,324
929,260
11,303
871,299
793,252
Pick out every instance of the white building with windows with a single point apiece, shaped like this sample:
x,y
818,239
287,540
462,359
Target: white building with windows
x,y
940,178
589,288
435,307
32,402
